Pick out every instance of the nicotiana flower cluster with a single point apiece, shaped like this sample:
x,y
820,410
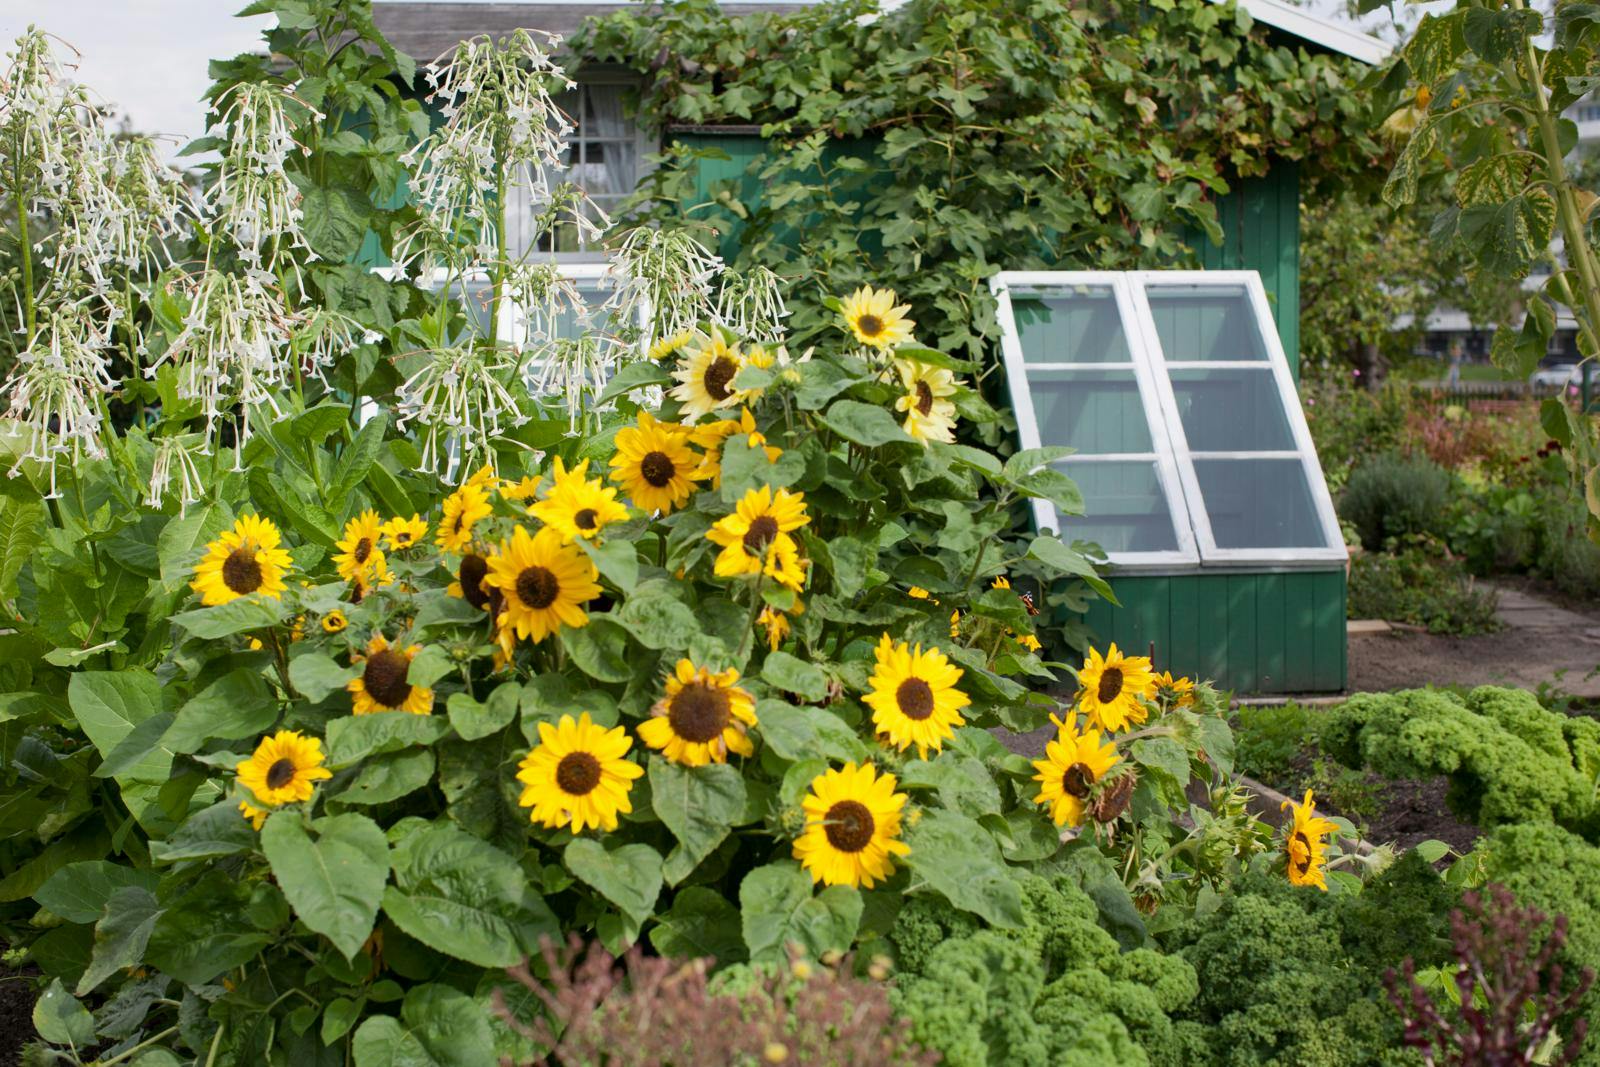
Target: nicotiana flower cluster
x,y
253,200
54,394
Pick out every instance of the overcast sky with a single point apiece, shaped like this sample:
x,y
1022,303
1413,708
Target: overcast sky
x,y
149,57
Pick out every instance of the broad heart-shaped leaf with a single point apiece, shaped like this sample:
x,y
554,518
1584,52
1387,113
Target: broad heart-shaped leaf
x,y
238,704
777,908
699,805
355,737
1506,238
864,424
182,542
599,649
316,674
438,1027
60,1019
801,733
617,561
333,881
200,933
794,675
219,830
389,777
1163,754
635,375
963,783
700,923
335,220
109,705
462,896
954,856
253,612
473,720
22,526
745,468
429,665
1491,180
629,877
121,935
657,619
1435,46
1049,550
79,891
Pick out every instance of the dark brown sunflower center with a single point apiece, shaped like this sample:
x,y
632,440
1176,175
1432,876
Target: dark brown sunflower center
x,y
915,698
763,531
1110,685
657,469
1077,780
717,377
470,574
924,398
586,519
280,773
870,325
849,826
241,571
385,678
700,713
363,550
537,587
1301,863
578,773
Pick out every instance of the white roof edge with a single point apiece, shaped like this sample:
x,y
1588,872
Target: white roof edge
x,y
1330,35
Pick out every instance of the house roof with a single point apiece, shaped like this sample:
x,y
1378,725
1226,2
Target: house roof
x,y
1334,36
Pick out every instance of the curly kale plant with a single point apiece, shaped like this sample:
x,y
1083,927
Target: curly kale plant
x,y
1507,758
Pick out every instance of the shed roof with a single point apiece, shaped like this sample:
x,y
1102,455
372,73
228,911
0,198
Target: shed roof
x,y
1334,36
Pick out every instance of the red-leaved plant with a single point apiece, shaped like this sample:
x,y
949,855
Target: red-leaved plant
x,y
653,1012
1511,996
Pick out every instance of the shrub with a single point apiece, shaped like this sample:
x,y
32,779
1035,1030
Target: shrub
x,y
1394,496
1569,559
1414,585
1351,424
1271,738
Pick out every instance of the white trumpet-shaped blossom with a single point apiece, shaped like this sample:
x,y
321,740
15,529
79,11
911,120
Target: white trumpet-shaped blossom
x,y
460,400
253,200
53,399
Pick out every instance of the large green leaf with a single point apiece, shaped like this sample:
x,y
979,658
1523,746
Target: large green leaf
x,y
61,1020
438,1027
473,720
182,542
334,880
864,424
352,738
79,892
657,619
1506,238
800,733
316,674
699,805
963,783
199,934
700,923
110,705
22,526
255,612
777,908
462,896
238,704
600,649
954,856
220,830
389,777
794,675
121,935
629,876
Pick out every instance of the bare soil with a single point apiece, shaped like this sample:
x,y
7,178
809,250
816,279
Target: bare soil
x,y
16,1013
1521,657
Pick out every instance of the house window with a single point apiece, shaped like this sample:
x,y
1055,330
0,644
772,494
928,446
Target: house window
x,y
604,158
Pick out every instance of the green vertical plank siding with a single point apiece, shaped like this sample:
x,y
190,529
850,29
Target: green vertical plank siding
x,y
1184,628
1271,640
1330,671
1243,666
1299,592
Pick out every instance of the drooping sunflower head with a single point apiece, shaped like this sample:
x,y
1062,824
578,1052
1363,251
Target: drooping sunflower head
x,y
578,775
702,717
545,582
334,622
1173,692
1074,763
654,464
872,316
404,533
463,509
359,555
383,683
1112,688
758,528
363,584
246,559
914,699
1306,846
283,769
930,414
852,831
705,376
579,506
668,347
776,623
469,584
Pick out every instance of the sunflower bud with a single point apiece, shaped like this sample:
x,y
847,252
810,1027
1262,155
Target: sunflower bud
x,y
1113,799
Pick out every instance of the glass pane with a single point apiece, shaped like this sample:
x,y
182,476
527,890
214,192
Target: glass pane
x,y
1079,325
477,304
1205,322
1125,507
1259,503
1231,410
1094,411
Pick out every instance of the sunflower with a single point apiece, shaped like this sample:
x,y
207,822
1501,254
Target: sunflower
x,y
404,533
578,506
711,436
1073,763
256,816
705,377
1173,692
655,464
382,685
852,827
523,490
669,346
1306,847
544,582
462,510
241,561
1110,689
1028,641
359,555
785,565
875,320
930,415
484,477
701,718
955,624
362,584
334,622
777,623
914,699
283,768
576,775
469,584
759,526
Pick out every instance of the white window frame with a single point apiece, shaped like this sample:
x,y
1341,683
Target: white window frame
x,y
1197,548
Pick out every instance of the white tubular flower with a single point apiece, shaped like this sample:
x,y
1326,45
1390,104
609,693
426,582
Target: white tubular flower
x,y
253,199
751,305
461,402
321,337
52,396
174,461
667,278
158,205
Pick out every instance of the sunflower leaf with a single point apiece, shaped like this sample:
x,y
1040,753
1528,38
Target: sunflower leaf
x,y
355,737
864,424
429,665
473,720
777,906
224,620
629,877
799,733
334,881
958,859
236,705
316,674
794,675
700,923
657,619
699,805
